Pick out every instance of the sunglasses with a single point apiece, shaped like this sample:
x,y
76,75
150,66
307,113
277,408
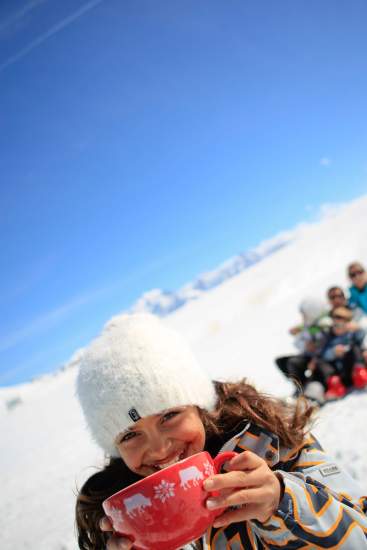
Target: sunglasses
x,y
340,324
333,296
354,274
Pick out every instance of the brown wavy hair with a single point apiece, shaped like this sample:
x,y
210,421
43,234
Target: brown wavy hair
x,y
236,402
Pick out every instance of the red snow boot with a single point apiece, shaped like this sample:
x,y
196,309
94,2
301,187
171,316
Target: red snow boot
x,y
336,388
359,376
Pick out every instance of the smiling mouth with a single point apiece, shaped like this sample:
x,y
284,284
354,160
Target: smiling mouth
x,y
161,465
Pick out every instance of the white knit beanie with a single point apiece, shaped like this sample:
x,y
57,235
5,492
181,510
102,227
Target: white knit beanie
x,y
312,308
137,367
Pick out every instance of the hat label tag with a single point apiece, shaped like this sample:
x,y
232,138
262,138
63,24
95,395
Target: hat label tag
x,y
134,415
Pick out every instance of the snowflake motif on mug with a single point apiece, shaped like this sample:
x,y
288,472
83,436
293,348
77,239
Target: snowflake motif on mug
x,y
164,490
208,468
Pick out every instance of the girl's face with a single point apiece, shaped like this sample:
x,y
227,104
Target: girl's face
x,y
159,440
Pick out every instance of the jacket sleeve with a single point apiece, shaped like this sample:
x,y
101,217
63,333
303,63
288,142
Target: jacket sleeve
x,y
322,507
359,337
354,300
329,354
361,318
300,341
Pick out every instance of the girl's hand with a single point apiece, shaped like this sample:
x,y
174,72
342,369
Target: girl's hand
x,y
249,484
114,542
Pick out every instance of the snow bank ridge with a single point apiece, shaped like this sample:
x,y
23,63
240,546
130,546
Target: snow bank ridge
x,y
162,302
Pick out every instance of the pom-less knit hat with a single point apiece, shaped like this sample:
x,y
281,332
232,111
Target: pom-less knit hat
x,y
312,309
137,367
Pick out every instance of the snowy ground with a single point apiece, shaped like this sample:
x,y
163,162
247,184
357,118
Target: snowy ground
x,y
236,329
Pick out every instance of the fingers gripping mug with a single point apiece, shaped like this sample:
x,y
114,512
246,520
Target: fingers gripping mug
x,y
166,510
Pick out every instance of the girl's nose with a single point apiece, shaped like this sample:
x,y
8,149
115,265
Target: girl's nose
x,y
158,447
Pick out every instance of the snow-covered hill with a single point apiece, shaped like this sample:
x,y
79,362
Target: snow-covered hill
x,y
236,329
163,302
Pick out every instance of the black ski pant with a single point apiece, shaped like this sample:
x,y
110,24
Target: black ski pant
x,y
294,367
343,366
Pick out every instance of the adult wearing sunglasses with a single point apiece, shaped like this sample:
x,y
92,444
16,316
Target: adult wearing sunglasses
x,y
337,298
358,290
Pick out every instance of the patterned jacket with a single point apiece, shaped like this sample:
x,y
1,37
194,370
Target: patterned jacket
x,y
322,506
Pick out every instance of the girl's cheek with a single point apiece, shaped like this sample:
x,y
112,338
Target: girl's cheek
x,y
129,457
198,440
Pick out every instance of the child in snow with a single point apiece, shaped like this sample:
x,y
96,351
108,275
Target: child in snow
x,y
343,350
148,403
337,298
358,290
309,337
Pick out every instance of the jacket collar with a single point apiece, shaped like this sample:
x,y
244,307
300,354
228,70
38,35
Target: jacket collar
x,y
258,440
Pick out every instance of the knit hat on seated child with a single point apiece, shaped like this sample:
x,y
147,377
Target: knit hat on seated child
x,y
137,367
312,309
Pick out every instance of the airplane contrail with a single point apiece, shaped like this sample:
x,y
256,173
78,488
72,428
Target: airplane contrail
x,y
53,30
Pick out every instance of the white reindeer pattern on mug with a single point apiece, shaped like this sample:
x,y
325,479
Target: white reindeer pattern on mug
x,y
189,477
136,503
191,474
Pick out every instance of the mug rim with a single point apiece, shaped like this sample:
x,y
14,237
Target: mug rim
x,y
154,474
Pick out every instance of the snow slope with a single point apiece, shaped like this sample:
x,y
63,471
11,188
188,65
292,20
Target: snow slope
x,y
162,302
236,328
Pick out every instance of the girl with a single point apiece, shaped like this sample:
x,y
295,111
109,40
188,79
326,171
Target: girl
x,y
149,404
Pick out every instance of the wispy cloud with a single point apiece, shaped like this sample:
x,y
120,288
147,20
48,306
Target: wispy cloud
x,y
15,17
53,317
51,32
325,161
41,361
45,321
40,358
35,272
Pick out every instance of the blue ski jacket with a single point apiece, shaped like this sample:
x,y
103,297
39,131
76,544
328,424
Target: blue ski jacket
x,y
358,298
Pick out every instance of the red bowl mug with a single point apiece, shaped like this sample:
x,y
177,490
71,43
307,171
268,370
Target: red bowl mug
x,y
166,510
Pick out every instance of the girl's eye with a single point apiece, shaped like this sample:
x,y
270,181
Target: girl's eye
x,y
127,436
168,415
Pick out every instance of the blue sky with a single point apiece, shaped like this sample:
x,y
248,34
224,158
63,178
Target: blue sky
x,y
145,142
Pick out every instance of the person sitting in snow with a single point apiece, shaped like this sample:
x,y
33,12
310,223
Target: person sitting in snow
x,y
343,350
309,338
358,291
337,298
